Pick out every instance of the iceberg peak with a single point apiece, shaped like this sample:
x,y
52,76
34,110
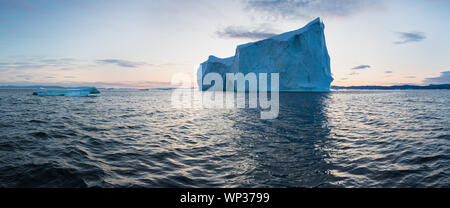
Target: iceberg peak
x,y
288,35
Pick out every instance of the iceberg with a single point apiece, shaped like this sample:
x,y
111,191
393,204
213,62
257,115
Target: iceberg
x,y
71,93
300,57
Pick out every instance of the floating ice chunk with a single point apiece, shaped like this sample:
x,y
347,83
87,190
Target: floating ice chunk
x,y
71,93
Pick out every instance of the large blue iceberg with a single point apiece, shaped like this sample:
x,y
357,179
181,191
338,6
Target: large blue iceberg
x,y
300,57
71,93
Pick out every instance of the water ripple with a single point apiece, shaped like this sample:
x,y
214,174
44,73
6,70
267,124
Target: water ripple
x,y
135,139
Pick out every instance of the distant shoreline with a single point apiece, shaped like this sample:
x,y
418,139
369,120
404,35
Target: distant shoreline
x,y
395,87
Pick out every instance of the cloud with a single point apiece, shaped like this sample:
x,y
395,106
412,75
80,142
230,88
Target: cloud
x,y
361,67
26,63
444,78
239,32
14,64
407,37
121,63
388,72
311,8
24,76
410,77
123,84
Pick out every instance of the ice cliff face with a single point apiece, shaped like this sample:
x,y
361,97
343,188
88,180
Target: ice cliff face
x,y
300,57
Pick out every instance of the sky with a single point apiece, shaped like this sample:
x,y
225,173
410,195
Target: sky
x,y
142,44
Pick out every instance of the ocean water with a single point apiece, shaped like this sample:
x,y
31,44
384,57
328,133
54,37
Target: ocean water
x,y
136,139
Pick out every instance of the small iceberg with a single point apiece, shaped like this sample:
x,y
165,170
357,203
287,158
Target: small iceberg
x,y
71,93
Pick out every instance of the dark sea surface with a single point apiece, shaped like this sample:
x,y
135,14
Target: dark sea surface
x,y
136,139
